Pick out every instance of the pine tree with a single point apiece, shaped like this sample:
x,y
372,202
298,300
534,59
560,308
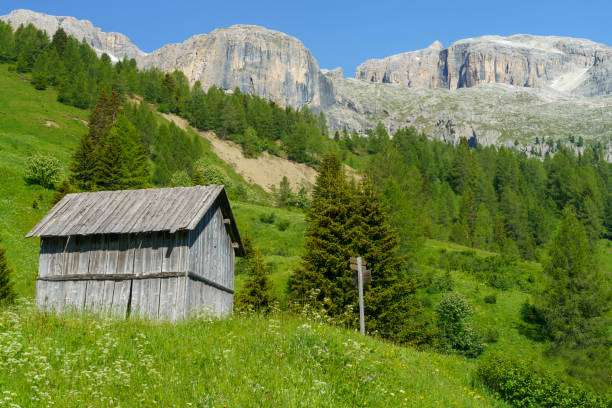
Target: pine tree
x,y
325,263
256,294
393,310
285,195
577,297
111,170
7,293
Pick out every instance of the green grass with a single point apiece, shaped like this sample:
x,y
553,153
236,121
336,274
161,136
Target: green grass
x,y
282,361
23,113
277,361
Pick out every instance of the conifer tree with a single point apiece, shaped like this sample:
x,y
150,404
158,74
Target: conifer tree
x,y
393,310
256,294
111,170
285,195
325,263
7,293
576,298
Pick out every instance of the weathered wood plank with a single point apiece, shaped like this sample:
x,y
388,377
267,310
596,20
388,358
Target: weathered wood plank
x,y
74,295
121,296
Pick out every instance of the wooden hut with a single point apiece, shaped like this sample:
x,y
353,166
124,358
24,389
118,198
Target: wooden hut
x,y
156,253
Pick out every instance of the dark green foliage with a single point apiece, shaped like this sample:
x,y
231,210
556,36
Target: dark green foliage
x,y
65,187
490,299
490,198
455,332
283,225
577,296
347,220
285,195
325,265
256,294
268,218
523,386
7,292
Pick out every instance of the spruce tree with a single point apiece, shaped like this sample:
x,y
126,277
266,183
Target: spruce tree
x,y
256,294
325,264
7,293
393,310
111,172
576,298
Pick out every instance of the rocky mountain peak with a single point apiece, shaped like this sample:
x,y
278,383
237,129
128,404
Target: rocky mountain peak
x,y
436,45
255,59
563,64
116,45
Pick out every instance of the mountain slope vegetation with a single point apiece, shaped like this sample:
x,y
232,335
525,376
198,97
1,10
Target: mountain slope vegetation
x,y
500,207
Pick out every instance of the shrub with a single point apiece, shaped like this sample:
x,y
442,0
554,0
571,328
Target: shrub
x,y
7,293
267,218
455,332
35,204
212,174
283,225
43,170
490,335
180,179
491,299
518,383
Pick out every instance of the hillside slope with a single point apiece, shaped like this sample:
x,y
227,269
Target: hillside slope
x,y
280,361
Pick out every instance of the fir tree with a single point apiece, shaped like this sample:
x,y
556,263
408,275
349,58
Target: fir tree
x,y
7,293
285,195
325,263
256,294
393,310
577,297
111,170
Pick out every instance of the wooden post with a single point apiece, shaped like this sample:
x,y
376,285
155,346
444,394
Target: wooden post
x,y
360,283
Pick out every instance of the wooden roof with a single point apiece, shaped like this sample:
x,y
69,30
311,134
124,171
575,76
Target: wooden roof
x,y
134,211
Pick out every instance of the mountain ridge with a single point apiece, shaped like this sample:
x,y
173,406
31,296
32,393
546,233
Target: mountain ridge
x,y
554,74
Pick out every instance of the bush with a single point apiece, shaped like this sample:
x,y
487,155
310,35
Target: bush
x,y
7,293
267,218
283,225
491,299
180,179
490,335
43,170
212,174
455,332
518,383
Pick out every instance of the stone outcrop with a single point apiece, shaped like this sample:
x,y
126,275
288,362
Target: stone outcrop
x,y
115,44
333,73
264,62
560,63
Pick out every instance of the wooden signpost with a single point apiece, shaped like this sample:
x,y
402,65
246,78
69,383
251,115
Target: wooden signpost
x,y
363,275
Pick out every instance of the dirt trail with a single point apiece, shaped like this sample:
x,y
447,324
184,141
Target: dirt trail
x,y
266,170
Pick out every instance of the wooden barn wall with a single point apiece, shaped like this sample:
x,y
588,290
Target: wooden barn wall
x,y
203,299
136,254
211,253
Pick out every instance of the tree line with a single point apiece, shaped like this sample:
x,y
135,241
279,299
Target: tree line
x,y
79,75
487,197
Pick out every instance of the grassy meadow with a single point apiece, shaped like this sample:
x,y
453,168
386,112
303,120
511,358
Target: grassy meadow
x,y
281,360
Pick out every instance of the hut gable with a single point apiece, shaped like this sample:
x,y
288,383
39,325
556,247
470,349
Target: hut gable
x,y
156,253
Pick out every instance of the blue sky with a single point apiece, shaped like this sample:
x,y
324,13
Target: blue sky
x,y
339,33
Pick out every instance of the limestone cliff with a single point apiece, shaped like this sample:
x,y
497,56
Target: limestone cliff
x,y
560,63
115,44
264,62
